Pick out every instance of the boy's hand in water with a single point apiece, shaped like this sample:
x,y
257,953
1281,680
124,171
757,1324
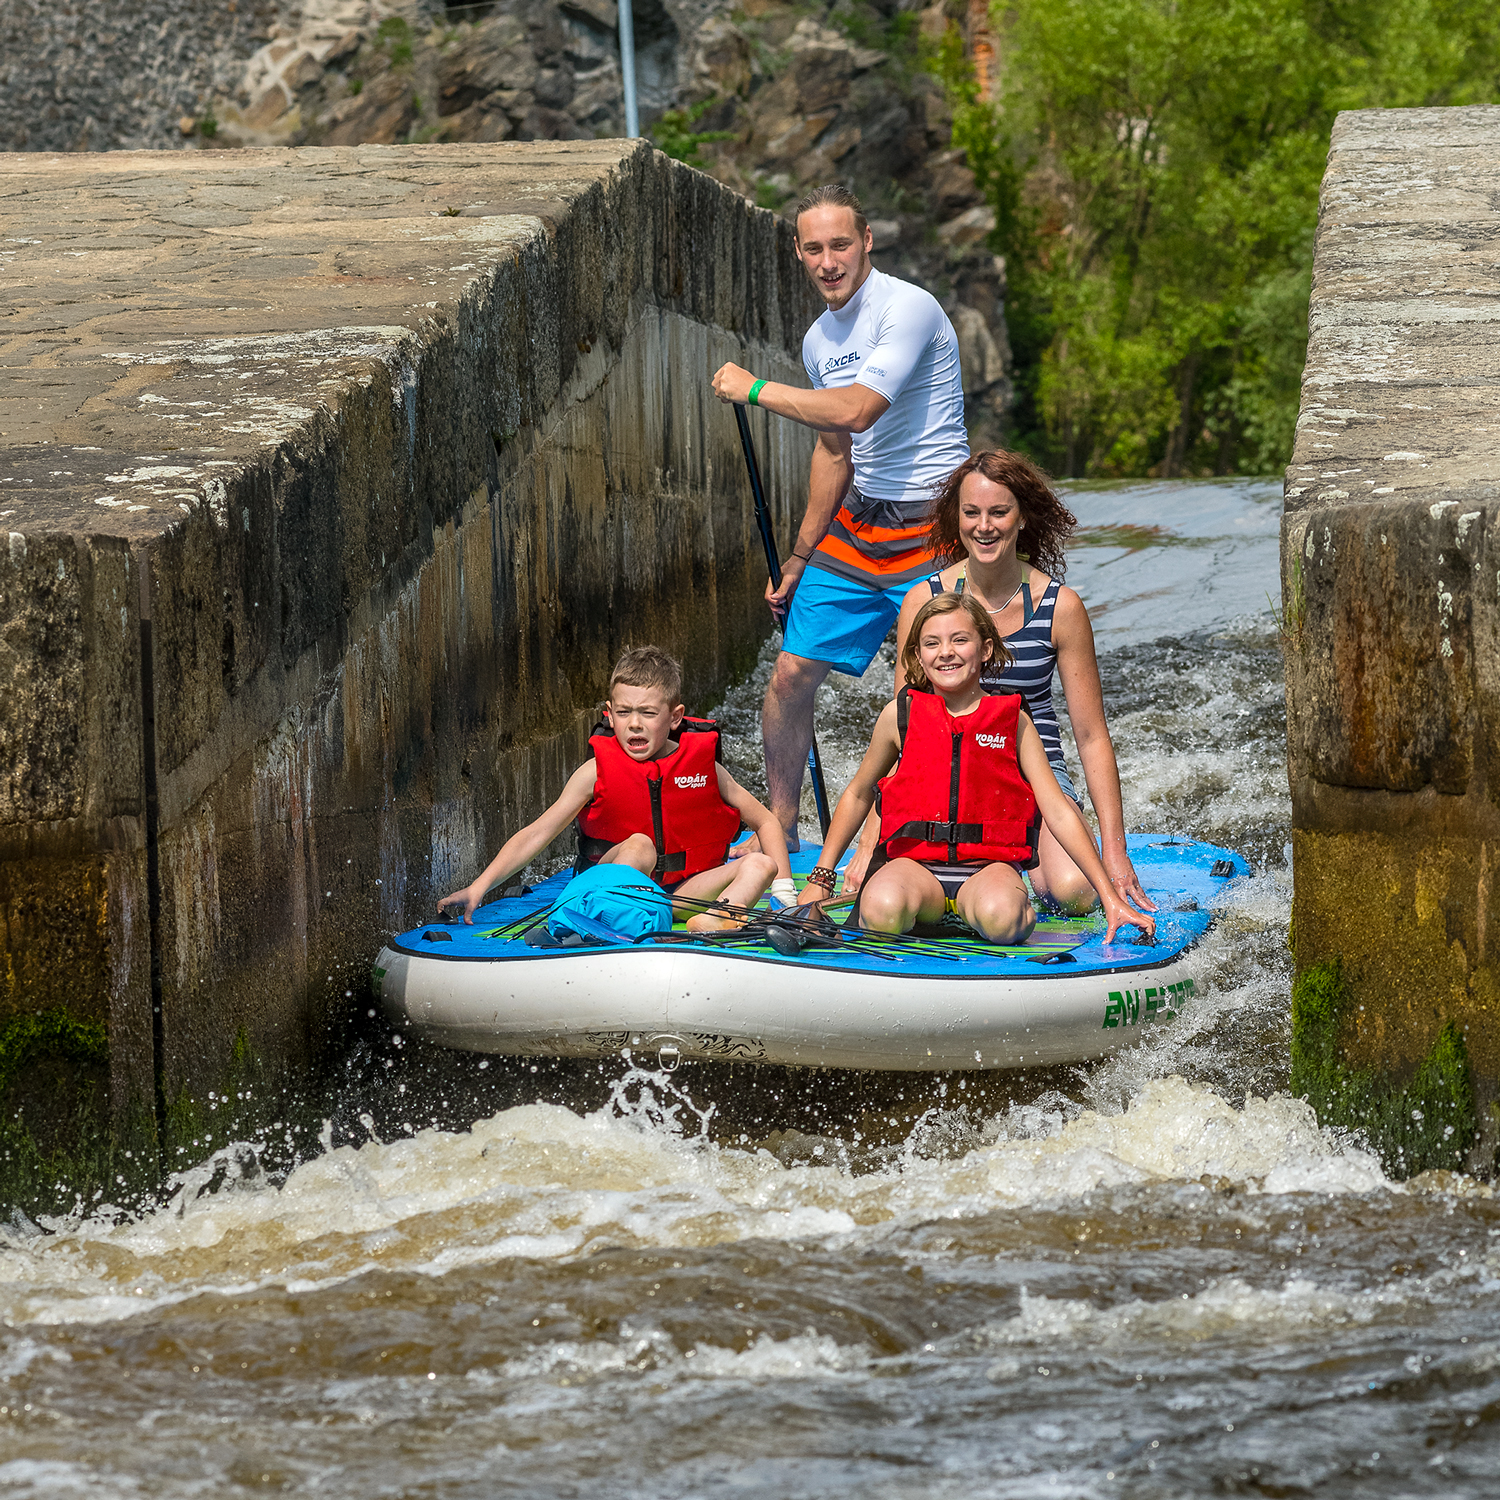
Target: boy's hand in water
x,y
1119,915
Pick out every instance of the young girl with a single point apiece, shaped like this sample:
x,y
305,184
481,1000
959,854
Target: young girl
x,y
991,510
961,815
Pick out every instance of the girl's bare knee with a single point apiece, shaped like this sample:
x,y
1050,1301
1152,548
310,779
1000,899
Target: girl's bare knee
x,y
882,909
1062,886
1004,918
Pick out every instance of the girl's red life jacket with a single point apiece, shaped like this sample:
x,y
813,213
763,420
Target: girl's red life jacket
x,y
675,799
957,793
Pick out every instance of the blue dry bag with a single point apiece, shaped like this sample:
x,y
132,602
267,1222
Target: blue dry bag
x,y
613,902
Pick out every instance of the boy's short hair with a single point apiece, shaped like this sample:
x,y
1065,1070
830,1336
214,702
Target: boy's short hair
x,y
649,666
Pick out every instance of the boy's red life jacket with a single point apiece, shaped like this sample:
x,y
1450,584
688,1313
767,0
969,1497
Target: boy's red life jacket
x,y
675,799
957,793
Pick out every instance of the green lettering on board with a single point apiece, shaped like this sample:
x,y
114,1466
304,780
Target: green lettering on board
x,y
1155,1003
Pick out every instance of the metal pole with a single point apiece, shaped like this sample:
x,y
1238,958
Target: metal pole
x,y
627,68
773,563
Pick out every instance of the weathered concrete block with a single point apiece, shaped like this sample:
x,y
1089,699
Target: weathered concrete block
x,y
1391,593
408,443
73,888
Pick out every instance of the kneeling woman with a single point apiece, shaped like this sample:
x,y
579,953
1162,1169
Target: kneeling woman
x,y
960,816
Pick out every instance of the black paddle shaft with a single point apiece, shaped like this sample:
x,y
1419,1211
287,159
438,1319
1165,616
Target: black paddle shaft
x,y
773,563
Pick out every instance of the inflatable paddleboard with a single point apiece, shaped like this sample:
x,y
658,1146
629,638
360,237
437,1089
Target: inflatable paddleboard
x,y
943,1000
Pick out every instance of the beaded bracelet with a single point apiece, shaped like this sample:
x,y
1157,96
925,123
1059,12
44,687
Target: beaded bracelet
x,y
822,875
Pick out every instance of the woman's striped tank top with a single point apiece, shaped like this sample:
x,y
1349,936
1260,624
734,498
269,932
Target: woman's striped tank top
x,y
1033,660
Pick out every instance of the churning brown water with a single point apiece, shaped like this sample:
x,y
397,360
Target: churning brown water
x,y
1154,1277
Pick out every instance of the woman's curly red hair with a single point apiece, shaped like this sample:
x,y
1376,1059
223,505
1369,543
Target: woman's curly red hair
x,y
1049,523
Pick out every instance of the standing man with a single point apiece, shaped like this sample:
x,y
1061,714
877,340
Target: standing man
x,y
888,406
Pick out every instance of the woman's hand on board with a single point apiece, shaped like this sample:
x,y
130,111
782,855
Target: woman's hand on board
x,y
813,896
1120,914
1125,881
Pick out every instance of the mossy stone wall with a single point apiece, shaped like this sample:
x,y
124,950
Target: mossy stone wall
x,y
1391,617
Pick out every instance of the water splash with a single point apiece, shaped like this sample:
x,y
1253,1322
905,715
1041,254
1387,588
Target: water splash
x,y
652,1101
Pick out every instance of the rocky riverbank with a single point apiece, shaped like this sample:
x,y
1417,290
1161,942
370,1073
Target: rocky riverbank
x,y
769,97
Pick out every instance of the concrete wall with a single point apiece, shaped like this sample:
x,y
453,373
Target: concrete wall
x,y
336,479
1390,568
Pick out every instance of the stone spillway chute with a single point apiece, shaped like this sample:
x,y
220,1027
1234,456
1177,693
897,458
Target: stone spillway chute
x,y
334,480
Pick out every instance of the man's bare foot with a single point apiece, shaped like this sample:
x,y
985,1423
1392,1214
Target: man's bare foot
x,y
752,845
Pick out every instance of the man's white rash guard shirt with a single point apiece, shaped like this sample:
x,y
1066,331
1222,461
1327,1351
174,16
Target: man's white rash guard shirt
x,y
894,339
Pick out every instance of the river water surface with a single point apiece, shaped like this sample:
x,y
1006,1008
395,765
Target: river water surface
x,y
1152,1277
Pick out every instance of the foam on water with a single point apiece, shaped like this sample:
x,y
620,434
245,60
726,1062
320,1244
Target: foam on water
x,y
803,1357
1225,1310
541,1182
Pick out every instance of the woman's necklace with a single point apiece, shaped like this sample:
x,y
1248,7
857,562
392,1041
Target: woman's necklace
x,y
963,579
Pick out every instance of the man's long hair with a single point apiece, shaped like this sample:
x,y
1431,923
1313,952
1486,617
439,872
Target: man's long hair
x,y
833,195
1048,522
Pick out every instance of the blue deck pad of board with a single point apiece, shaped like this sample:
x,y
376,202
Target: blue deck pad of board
x,y
1177,873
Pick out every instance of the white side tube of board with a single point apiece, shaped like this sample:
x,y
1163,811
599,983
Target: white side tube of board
x,y
627,68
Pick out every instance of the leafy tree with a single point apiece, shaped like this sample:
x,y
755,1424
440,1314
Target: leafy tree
x,y
1154,168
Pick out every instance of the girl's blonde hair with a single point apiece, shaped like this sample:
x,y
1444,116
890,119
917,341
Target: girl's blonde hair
x,y
946,604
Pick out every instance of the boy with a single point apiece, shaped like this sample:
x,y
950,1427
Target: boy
x,y
654,797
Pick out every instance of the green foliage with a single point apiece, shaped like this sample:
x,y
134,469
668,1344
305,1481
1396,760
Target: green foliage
x,y
1427,1123
60,1153
768,195
897,35
355,86
208,127
394,34
241,1108
673,133
1154,168
1291,616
